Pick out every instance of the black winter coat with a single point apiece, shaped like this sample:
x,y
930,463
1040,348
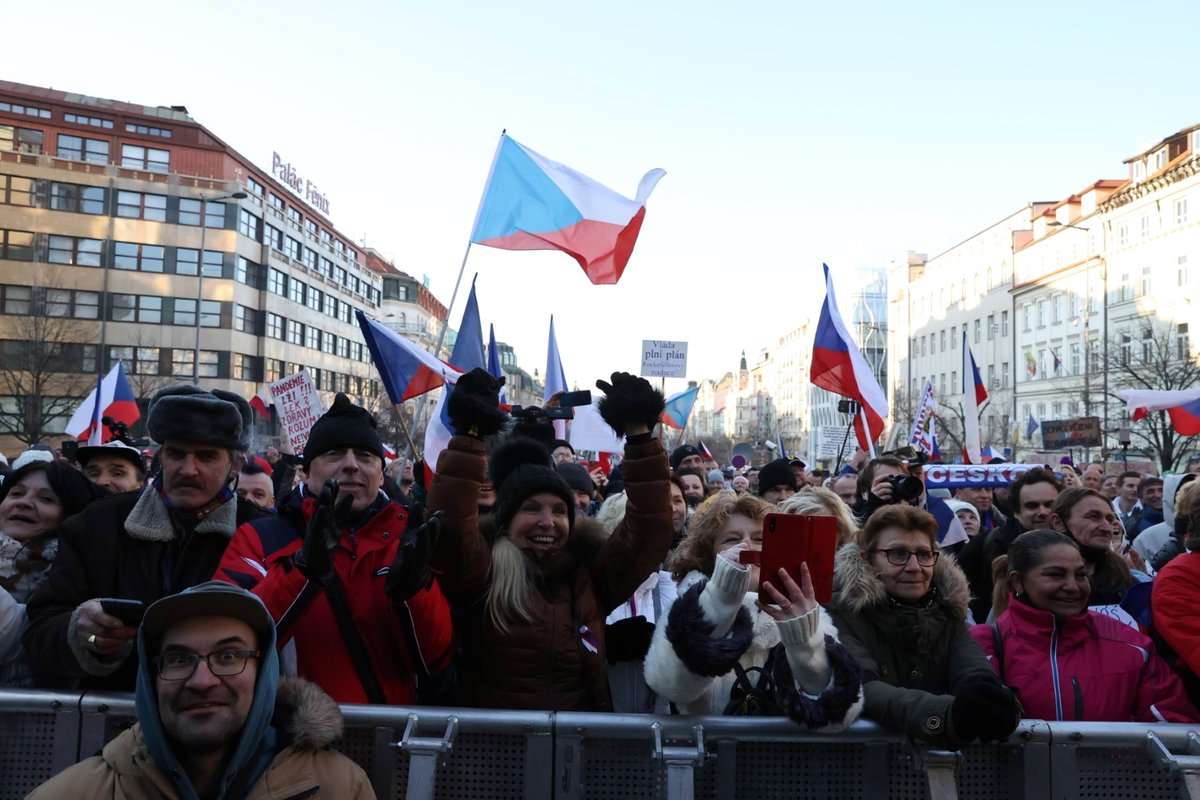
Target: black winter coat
x,y
123,546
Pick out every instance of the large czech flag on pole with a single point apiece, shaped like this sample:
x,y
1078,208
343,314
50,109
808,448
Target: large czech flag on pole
x,y
1182,406
407,370
533,203
837,365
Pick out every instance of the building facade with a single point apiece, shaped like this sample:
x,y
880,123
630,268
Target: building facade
x,y
132,233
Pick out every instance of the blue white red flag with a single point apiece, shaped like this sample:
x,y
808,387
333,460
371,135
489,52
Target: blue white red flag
x,y
974,393
533,203
493,366
839,366
935,452
556,379
1182,406
679,407
406,370
112,397
704,453
1031,425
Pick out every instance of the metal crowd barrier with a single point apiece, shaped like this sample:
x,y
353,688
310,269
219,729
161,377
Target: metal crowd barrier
x,y
426,753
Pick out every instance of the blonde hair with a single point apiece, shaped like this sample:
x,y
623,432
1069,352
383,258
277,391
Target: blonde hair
x,y
1186,497
697,551
815,501
510,586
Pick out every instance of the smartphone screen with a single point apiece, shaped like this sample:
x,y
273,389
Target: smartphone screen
x,y
790,540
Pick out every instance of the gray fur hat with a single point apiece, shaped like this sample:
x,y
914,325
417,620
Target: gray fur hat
x,y
188,413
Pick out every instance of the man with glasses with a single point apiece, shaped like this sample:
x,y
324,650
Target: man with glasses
x,y
214,717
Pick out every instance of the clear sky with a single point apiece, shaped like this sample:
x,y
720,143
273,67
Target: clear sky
x,y
792,133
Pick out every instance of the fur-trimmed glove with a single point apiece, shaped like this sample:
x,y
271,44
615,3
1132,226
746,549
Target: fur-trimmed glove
x,y
986,711
410,569
629,399
474,405
314,559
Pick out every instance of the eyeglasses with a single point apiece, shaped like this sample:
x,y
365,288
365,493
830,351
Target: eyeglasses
x,y
179,665
900,556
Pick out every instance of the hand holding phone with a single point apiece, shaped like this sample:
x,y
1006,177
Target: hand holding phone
x,y
793,541
128,611
794,601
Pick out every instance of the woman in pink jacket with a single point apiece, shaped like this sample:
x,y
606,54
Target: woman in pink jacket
x,y
1068,663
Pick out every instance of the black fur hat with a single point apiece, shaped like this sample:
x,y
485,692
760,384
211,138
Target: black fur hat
x,y
188,413
519,468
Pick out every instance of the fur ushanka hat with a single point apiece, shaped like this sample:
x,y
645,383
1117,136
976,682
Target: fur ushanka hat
x,y
519,468
187,413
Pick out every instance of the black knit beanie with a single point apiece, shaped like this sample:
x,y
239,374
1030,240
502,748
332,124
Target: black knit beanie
x,y
577,477
343,425
519,468
775,473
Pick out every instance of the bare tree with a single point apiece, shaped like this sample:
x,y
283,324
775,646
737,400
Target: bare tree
x,y
46,365
144,373
1153,356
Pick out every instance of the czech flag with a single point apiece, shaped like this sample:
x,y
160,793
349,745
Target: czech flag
x,y
112,397
533,203
679,407
407,370
262,403
704,452
839,366
974,393
1183,407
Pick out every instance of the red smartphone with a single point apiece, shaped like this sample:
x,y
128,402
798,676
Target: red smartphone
x,y
790,540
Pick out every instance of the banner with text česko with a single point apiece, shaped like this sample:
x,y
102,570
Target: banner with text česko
x,y
299,406
957,476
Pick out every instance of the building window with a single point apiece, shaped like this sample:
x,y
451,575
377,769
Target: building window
x,y
344,311
275,326
87,305
137,308
291,248
309,257
1041,313
77,148
1075,353
94,122
276,282
16,191
343,347
249,225
295,217
17,299
331,305
310,226
147,158
74,251
136,205
273,237
1147,345
356,352
254,187
1181,211
1125,289
1181,271
1004,323
991,327
136,360
313,339
1123,233
244,368
274,370
296,291
16,245
1183,342
1145,285
978,325
147,130
276,202
295,332
923,350
190,212
245,319
134,256
76,198
1004,375
315,297
185,312
1145,224
1126,349
29,111
249,273
328,342
22,140
187,259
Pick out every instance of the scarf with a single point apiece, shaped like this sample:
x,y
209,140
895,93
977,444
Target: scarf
x,y
23,564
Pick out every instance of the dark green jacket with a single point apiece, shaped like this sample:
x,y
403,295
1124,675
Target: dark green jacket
x,y
913,659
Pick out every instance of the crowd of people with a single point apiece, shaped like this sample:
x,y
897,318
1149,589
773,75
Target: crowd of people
x,y
243,596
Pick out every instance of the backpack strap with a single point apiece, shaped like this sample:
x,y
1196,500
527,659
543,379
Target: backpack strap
x,y
998,647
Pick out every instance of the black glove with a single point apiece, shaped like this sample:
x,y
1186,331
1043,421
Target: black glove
x,y
410,569
986,711
629,399
474,405
314,559
627,639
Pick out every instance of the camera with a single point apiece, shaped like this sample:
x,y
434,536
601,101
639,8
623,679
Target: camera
x,y
905,488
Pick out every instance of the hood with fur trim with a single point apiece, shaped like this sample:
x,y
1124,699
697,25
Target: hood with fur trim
x,y
860,587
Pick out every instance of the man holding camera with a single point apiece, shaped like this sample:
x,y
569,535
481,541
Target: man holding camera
x,y
885,480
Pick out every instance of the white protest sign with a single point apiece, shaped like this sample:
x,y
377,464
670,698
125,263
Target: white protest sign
x,y
663,359
299,407
832,437
590,432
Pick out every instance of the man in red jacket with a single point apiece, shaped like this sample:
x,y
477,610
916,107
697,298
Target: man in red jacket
x,y
341,574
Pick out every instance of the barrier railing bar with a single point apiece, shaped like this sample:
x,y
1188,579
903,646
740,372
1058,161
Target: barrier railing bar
x,y
424,755
1186,766
568,763
939,766
383,766
681,762
539,752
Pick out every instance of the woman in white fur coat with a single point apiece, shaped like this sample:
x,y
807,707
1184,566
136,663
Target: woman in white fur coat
x,y
721,649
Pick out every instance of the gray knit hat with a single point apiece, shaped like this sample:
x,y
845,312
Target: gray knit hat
x,y
188,413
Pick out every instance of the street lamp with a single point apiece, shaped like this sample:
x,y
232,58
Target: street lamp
x,y
204,201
